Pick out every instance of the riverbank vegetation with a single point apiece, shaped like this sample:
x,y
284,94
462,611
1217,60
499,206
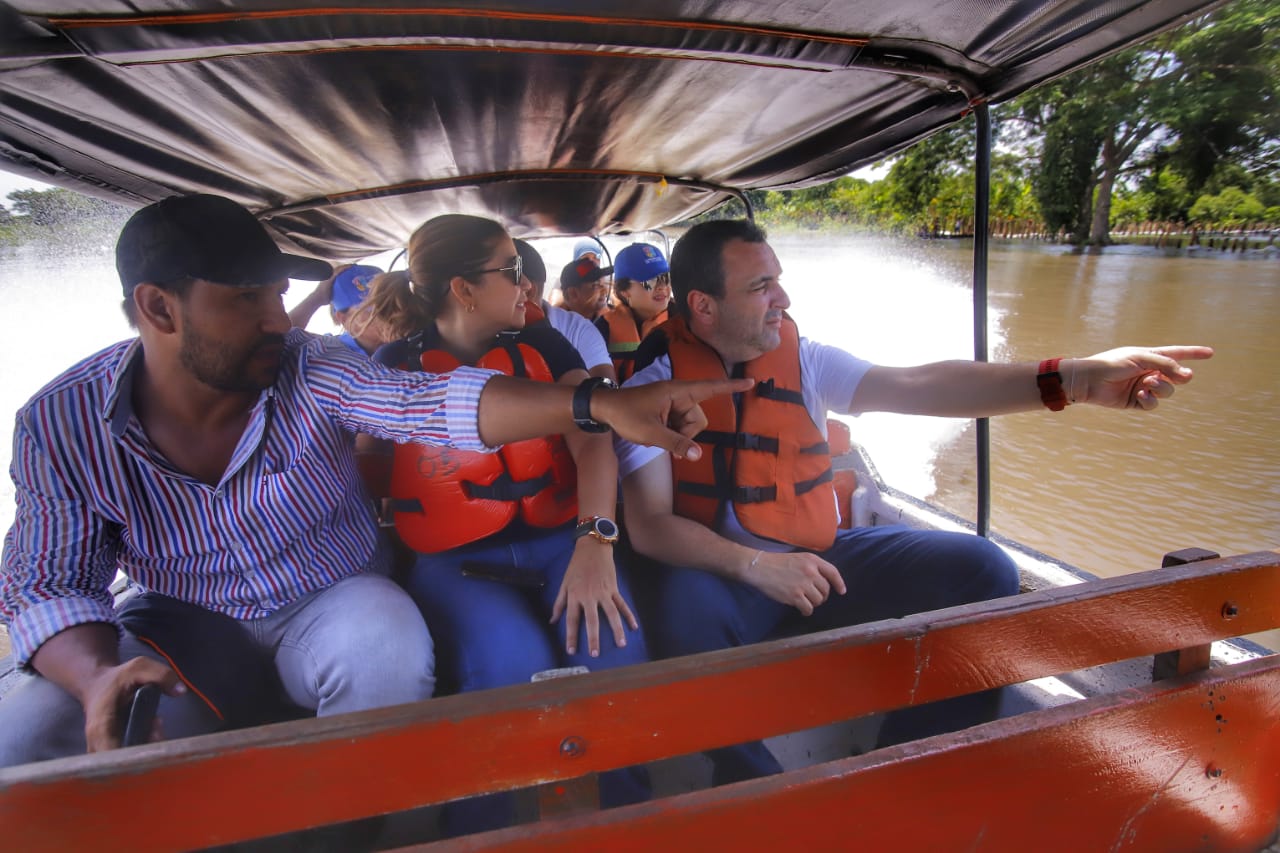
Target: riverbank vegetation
x,y
1177,139
1179,135
60,217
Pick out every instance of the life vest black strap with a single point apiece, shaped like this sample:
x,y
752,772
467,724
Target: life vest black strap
x,y
749,494
739,495
821,448
507,341
506,489
502,489
737,440
807,486
770,391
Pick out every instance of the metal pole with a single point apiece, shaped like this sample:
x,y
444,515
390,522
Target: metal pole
x,y
981,223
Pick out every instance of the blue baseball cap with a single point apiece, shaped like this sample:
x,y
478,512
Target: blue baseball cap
x,y
640,262
352,285
584,246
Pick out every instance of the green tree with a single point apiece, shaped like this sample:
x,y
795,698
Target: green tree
x,y
1231,208
59,207
916,178
1168,195
1228,92
1156,104
1071,137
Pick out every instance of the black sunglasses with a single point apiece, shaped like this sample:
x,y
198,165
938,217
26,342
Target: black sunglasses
x,y
653,284
515,270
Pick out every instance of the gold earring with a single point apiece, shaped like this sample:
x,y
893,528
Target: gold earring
x,y
471,307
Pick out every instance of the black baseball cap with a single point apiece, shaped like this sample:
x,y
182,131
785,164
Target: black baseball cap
x,y
207,237
582,271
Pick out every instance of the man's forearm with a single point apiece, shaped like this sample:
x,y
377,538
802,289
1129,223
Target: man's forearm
x,y
954,389
72,658
301,313
677,541
518,409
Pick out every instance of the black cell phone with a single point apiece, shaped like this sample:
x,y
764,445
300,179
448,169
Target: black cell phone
x,y
142,715
503,573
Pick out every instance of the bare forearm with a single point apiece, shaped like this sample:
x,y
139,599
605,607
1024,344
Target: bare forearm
x,y
517,409
597,473
301,314
1122,378
955,389
677,541
72,658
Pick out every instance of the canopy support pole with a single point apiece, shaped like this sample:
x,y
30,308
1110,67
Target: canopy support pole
x,y
981,239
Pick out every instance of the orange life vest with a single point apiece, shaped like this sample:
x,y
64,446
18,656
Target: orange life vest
x,y
625,335
534,314
444,498
760,451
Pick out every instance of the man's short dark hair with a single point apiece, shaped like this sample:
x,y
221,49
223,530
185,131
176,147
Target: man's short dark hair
x,y
695,261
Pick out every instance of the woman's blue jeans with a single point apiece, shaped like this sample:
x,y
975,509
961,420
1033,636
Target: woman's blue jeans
x,y
495,633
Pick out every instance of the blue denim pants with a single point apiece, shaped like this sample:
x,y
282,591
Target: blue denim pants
x,y
357,644
489,607
890,572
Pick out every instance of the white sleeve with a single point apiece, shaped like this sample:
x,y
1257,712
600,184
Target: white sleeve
x,y
830,377
583,334
631,456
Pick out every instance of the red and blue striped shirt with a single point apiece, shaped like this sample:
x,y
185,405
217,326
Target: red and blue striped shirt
x,y
288,517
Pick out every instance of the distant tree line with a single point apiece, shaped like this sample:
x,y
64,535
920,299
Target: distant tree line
x,y
1182,130
33,213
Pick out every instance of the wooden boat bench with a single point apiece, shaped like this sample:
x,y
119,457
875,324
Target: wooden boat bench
x,y
1191,761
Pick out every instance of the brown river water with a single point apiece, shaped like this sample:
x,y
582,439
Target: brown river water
x,y
1107,491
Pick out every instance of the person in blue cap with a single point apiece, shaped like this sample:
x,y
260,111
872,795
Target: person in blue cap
x,y
642,291
343,292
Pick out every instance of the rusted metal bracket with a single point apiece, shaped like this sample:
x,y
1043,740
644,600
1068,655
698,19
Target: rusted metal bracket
x,y
1192,658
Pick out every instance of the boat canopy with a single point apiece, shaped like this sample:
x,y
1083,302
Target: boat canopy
x,y
344,125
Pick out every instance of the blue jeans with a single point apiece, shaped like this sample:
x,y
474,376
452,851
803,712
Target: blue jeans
x,y
355,645
491,633
890,572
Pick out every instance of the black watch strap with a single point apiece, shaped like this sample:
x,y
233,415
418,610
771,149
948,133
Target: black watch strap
x,y
582,404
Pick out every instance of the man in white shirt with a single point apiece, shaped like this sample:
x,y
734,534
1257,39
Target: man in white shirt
x,y
579,331
747,537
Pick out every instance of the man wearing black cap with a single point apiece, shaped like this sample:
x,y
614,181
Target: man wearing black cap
x,y
577,330
208,460
585,285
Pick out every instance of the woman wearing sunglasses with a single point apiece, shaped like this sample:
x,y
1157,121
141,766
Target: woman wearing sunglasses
x,y
642,287
516,569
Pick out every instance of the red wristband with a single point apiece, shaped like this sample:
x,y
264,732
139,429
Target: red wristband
x,y
1049,380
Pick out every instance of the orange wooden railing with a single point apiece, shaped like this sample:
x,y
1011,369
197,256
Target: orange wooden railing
x,y
241,785
1187,764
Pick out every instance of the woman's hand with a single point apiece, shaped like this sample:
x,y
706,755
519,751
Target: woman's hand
x,y
590,586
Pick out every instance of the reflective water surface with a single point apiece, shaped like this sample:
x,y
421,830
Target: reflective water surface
x,y
1108,491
